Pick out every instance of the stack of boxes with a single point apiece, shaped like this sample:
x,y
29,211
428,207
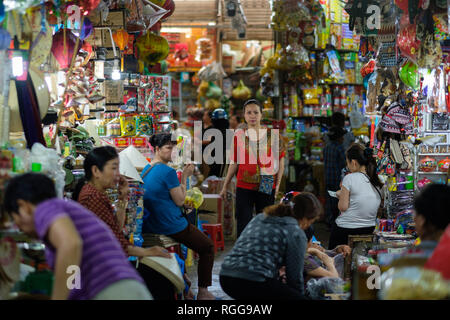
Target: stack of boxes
x,y
217,210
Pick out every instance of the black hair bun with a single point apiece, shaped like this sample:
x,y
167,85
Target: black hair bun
x,y
368,153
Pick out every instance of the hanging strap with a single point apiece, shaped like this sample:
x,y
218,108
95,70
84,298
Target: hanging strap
x,y
144,174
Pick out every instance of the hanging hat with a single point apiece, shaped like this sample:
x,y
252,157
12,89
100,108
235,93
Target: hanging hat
x,y
121,38
397,120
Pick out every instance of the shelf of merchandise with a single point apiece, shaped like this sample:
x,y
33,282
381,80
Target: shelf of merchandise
x,y
338,50
433,172
341,84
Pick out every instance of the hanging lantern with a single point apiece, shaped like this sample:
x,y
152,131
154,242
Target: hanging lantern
x,y
86,29
121,38
152,48
169,5
63,53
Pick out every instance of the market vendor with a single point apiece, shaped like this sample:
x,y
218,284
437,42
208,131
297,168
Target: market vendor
x,y
320,262
359,197
272,239
101,167
431,217
73,236
164,196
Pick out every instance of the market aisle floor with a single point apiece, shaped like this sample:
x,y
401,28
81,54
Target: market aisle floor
x,y
321,232
215,289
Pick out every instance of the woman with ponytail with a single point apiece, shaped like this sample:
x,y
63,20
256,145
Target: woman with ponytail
x,y
359,197
271,240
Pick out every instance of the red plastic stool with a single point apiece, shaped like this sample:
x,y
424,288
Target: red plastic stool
x,y
214,231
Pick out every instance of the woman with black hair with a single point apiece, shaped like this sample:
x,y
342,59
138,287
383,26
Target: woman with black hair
x,y
257,167
359,197
271,240
73,236
101,168
164,195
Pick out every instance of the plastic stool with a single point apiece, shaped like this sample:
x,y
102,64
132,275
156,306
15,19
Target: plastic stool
x,y
214,231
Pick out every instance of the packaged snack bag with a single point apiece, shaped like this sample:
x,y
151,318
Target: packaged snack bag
x,y
127,125
144,125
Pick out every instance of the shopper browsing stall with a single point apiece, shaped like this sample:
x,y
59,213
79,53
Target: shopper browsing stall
x,y
259,168
101,168
359,197
334,162
164,195
272,239
73,236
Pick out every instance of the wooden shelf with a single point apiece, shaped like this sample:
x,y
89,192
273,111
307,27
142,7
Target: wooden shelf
x,y
340,84
433,172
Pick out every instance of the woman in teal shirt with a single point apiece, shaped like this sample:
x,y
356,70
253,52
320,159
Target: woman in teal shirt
x,y
164,195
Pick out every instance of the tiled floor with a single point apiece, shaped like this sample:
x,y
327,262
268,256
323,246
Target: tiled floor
x,y
321,232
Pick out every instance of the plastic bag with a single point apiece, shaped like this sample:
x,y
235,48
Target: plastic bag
x,y
212,72
317,288
413,283
51,165
214,92
194,198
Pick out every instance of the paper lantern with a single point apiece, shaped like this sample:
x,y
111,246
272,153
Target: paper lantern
x,y
402,4
152,48
169,5
63,53
87,29
121,38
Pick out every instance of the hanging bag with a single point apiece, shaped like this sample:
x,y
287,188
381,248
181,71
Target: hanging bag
x,y
266,181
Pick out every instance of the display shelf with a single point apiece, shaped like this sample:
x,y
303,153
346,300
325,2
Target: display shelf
x,y
434,154
341,84
338,50
433,172
437,131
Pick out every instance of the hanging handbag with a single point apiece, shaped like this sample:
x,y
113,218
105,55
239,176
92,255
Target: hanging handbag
x,y
266,181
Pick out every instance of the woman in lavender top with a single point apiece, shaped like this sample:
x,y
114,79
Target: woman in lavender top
x,y
85,256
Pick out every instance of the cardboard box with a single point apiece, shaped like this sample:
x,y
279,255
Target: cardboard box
x,y
213,205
